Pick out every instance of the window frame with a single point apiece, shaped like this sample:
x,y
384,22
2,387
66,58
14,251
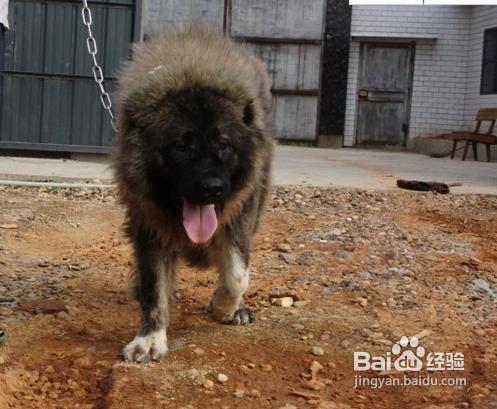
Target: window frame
x,y
488,31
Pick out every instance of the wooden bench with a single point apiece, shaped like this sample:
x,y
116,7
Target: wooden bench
x,y
476,137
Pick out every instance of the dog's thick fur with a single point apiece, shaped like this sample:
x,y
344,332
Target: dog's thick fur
x,y
216,84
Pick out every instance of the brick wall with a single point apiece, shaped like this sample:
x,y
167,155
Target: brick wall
x,y
440,69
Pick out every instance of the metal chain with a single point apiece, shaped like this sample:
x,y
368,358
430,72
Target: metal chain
x,y
97,70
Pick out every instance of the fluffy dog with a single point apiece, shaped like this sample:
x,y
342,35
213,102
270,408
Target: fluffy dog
x,y
192,162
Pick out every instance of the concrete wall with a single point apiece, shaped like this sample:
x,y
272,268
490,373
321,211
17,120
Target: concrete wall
x,y
293,64
482,17
440,69
162,13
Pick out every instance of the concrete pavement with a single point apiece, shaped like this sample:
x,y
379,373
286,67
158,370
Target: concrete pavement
x,y
355,168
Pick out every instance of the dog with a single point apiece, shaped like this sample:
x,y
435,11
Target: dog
x,y
192,163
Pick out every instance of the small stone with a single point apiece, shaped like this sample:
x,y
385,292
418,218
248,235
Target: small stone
x,y
377,335
480,332
363,302
266,367
364,275
317,351
345,343
325,336
3,359
193,374
288,258
222,378
482,285
475,261
8,226
282,301
344,254
288,406
331,233
53,395
175,344
391,302
208,384
239,393
315,385
63,315
315,368
422,334
83,362
301,303
283,248
198,352
41,306
310,335
255,393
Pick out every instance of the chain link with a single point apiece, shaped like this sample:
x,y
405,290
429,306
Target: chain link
x,y
98,75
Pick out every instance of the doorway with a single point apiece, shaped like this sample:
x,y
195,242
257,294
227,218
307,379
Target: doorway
x,y
385,84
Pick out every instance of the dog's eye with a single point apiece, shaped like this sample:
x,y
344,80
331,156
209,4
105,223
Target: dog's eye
x,y
222,146
180,147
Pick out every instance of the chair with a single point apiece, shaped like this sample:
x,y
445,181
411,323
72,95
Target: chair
x,y
475,137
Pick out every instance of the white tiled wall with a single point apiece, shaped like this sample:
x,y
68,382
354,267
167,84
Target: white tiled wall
x,y
483,17
443,99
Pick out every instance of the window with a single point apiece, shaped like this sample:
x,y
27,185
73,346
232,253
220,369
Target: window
x,y
489,64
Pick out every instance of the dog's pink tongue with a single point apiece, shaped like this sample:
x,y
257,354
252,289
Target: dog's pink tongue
x,y
200,222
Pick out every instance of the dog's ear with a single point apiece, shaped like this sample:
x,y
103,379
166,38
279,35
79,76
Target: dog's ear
x,y
129,119
248,114
137,109
128,112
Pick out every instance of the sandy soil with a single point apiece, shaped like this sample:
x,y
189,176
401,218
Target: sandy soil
x,y
365,268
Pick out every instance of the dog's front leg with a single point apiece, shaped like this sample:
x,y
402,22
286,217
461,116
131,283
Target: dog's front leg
x,y
227,302
154,271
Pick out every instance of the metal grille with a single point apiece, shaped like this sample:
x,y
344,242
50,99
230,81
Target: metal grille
x,y
48,97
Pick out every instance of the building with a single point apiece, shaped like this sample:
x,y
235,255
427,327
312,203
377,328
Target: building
x,y
438,65
342,75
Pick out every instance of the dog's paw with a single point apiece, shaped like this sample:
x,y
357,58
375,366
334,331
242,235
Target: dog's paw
x,y
176,295
243,316
145,348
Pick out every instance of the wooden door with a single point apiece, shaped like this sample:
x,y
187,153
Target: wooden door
x,y
384,93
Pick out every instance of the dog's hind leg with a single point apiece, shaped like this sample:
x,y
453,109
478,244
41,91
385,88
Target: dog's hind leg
x,y
173,291
155,270
227,302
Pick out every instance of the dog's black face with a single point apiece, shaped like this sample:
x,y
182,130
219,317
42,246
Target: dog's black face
x,y
201,155
199,164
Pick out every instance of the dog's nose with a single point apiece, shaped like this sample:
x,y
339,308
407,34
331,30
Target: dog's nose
x,y
212,187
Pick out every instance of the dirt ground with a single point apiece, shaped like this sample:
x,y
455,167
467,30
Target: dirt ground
x,y
365,268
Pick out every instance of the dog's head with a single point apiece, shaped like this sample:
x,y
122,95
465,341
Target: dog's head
x,y
198,146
